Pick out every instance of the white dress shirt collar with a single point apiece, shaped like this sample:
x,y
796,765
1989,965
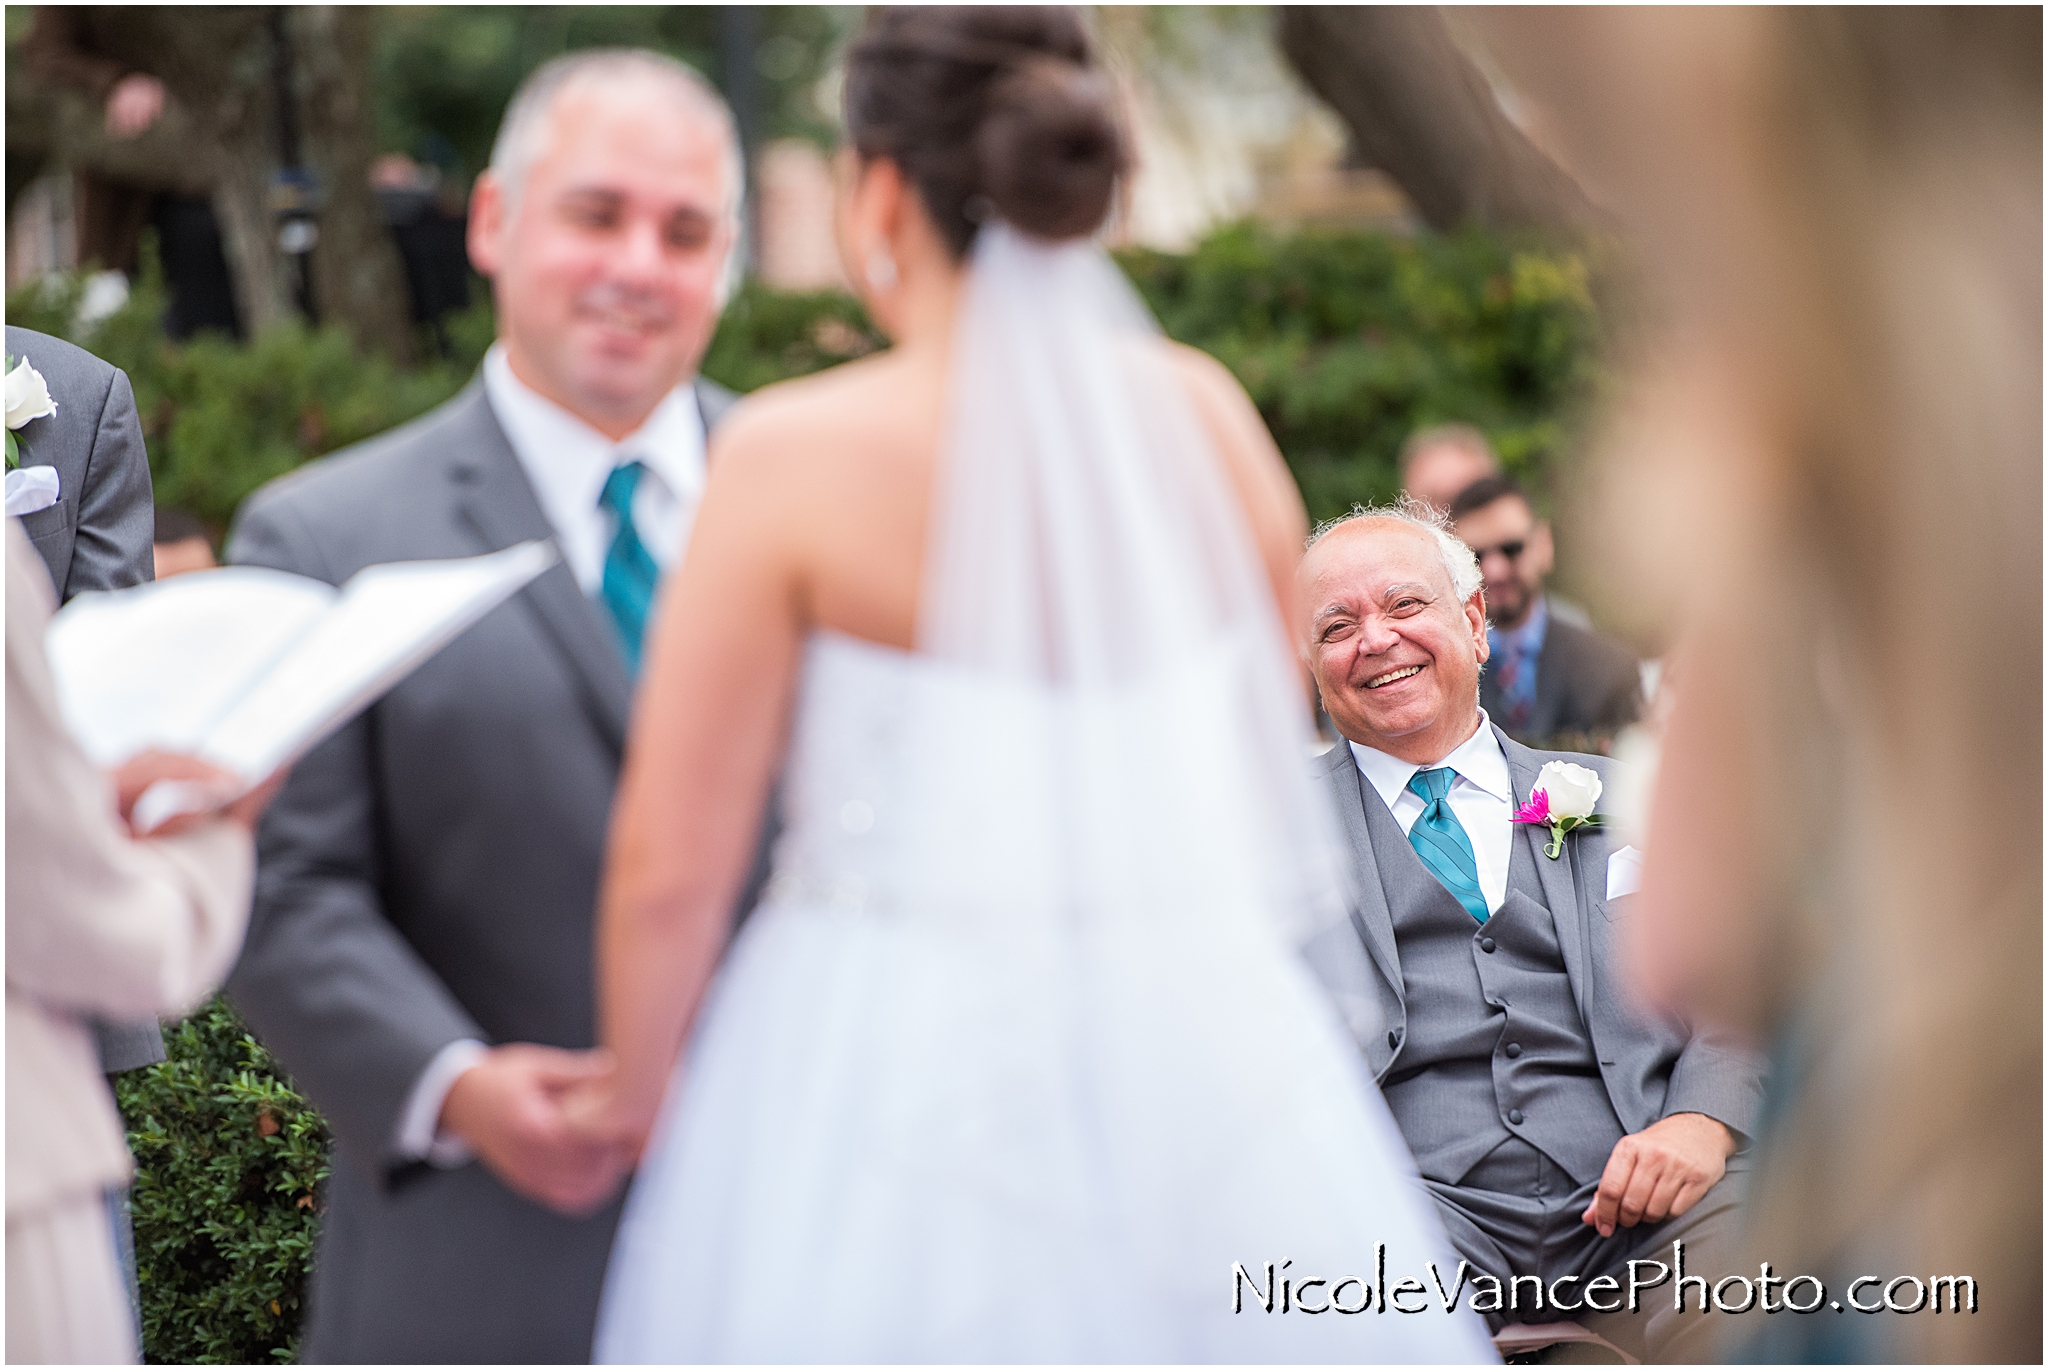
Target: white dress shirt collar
x,y
1478,759
567,462
1481,798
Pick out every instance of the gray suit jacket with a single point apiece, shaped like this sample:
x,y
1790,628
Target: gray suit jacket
x,y
1652,1066
99,533
1586,682
429,874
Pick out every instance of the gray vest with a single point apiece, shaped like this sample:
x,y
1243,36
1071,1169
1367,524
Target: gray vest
x,y
1495,1045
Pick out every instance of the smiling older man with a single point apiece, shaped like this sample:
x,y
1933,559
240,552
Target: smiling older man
x,y
1561,1131
420,952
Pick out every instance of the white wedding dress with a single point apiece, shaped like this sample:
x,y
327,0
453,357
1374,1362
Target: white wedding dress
x,y
1016,1060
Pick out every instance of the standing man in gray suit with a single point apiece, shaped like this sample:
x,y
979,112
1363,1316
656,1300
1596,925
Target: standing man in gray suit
x,y
420,952
1561,1130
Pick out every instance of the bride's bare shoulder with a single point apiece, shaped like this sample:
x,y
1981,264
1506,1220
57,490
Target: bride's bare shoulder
x,y
812,418
1249,454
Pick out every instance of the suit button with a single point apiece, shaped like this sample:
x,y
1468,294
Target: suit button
x,y
1393,1040
1515,1115
1514,1048
1486,944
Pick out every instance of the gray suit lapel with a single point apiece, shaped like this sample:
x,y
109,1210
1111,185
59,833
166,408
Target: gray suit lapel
x,y
495,499
1559,878
1375,921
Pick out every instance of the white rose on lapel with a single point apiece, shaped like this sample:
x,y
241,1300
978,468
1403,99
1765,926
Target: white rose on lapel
x,y
28,399
1573,790
1562,799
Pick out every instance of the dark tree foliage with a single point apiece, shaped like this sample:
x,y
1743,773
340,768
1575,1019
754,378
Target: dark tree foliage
x,y
444,73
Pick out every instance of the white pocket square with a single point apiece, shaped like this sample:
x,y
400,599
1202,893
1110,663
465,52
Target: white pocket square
x,y
1624,872
30,488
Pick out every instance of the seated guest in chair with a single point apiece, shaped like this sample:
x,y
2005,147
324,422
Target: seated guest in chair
x,y
1549,672
1562,1130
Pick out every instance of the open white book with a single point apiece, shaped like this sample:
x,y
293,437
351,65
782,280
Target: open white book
x,y
247,668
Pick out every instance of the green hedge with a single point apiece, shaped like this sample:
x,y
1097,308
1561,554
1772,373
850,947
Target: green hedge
x,y
229,1158
1345,341
1348,342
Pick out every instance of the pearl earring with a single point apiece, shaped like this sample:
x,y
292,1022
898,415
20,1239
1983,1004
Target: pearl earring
x,y
881,269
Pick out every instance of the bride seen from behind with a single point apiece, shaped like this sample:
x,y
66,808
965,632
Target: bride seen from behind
x,y
1014,1061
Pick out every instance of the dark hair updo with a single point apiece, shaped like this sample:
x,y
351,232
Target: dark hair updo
x,y
991,112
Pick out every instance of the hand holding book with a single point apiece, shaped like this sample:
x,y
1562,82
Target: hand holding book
x,y
243,669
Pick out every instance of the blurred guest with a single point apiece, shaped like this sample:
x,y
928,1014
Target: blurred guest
x,y
1436,463
97,923
1546,675
420,956
1826,468
181,544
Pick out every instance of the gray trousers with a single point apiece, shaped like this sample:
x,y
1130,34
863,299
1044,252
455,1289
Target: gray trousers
x,y
1517,1213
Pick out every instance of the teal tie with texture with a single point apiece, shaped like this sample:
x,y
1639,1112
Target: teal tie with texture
x,y
629,570
1440,840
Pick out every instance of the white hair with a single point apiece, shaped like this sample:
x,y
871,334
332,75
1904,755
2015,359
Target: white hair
x,y
522,133
1459,564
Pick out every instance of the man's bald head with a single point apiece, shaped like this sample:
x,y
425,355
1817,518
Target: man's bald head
x,y
1397,631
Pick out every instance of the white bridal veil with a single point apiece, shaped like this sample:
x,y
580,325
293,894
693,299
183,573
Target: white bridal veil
x,y
1087,540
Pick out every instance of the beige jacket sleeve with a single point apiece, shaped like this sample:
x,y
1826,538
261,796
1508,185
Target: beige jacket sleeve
x,y
96,921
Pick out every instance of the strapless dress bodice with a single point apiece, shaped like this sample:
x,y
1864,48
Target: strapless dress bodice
x,y
893,783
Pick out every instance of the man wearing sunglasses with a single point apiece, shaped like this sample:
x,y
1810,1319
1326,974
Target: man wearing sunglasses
x,y
1547,675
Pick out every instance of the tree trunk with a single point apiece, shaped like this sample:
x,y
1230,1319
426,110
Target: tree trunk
x,y
218,66
220,136
265,297
1418,110
358,280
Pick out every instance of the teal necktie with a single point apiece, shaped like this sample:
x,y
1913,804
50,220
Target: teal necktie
x,y
629,569
1439,839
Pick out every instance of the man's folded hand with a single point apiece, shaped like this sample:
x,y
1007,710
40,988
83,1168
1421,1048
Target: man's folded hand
x,y
1660,1172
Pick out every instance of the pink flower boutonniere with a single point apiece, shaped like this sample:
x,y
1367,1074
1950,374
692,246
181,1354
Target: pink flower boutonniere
x,y
1561,799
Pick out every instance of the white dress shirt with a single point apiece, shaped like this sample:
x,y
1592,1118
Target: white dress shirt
x,y
1482,797
567,462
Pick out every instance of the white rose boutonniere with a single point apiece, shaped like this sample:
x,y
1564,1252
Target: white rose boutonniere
x,y
1562,799
28,399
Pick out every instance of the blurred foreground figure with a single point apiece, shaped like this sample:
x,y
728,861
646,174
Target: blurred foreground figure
x,y
1837,437
96,924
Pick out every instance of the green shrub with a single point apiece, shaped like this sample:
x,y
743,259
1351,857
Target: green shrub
x,y
229,1158
1348,342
